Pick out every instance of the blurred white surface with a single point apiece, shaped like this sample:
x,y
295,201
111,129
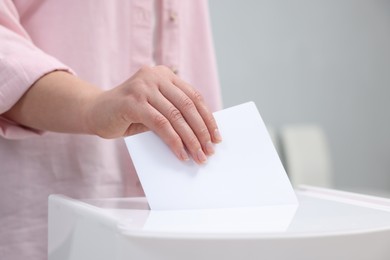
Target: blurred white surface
x,y
327,225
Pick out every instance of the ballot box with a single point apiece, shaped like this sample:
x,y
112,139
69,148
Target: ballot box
x,y
327,224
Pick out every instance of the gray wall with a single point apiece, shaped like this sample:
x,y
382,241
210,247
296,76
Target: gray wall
x,y
309,61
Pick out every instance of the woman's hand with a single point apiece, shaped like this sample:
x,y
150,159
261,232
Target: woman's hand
x,y
153,98
156,99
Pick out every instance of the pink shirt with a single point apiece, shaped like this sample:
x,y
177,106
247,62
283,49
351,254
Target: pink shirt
x,y
103,42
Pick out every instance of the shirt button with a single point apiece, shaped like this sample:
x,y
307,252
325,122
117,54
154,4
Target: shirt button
x,y
172,16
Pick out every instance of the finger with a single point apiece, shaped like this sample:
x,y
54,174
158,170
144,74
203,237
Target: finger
x,y
188,110
202,108
180,125
158,123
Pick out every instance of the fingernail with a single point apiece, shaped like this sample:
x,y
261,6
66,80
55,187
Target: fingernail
x,y
183,155
201,156
209,148
217,135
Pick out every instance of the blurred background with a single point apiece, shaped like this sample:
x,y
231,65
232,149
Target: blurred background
x,y
323,63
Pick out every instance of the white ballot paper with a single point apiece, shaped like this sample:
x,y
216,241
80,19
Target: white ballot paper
x,y
245,170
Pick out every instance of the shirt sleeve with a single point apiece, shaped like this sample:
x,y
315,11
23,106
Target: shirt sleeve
x,y
21,65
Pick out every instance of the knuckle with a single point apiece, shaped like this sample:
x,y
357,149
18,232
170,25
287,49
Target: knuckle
x,y
187,104
197,96
135,85
164,71
162,68
141,90
147,75
175,115
145,69
160,122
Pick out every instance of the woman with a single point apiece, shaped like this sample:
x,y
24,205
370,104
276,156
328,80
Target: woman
x,y
77,75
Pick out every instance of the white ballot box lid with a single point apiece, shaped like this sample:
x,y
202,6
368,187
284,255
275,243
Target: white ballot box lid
x,y
327,224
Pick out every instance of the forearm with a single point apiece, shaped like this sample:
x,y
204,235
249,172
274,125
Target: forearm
x,y
56,102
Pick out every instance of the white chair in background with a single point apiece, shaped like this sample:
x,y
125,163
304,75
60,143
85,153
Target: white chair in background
x,y
306,156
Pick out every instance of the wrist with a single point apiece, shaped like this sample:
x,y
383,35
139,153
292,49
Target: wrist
x,y
89,110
